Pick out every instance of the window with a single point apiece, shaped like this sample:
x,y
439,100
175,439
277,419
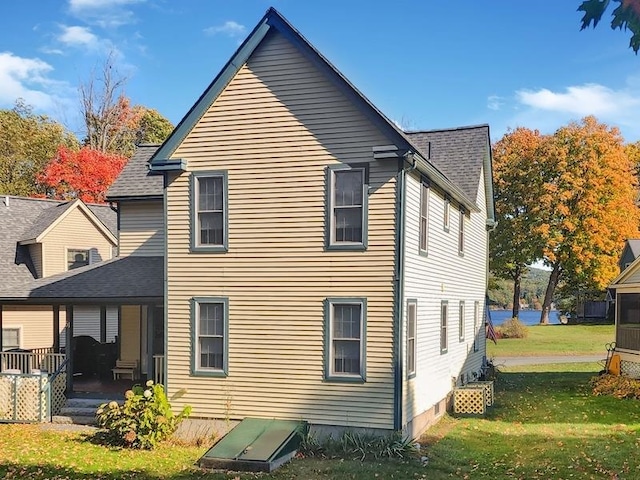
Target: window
x,y
210,320
476,325
628,308
447,213
444,345
345,333
424,216
347,207
412,320
461,233
10,338
461,325
77,258
209,199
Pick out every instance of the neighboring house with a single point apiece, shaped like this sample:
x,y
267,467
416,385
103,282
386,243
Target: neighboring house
x,y
295,254
41,238
626,288
321,263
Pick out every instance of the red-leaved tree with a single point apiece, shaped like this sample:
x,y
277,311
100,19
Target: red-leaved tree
x,y
85,174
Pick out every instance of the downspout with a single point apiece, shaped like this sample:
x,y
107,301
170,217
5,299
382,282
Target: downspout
x,y
398,373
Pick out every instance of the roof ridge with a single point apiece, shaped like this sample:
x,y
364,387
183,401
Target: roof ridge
x,y
451,129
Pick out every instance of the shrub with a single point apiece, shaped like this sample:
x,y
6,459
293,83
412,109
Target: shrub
x,y
512,328
616,386
352,445
144,420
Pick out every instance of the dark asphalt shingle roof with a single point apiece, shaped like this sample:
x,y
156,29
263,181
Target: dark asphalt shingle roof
x,y
112,280
634,246
135,179
458,153
23,219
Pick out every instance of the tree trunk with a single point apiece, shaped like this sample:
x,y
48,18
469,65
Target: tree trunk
x,y
517,280
548,294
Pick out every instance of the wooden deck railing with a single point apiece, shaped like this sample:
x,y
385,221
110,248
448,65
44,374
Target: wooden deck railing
x,y
158,369
40,359
628,337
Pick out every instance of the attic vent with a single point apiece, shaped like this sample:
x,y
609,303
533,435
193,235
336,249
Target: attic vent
x,y
385,151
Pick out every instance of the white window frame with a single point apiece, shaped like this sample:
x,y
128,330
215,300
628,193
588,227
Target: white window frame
x,y
444,321
423,228
412,334
447,214
196,367
67,250
330,371
461,321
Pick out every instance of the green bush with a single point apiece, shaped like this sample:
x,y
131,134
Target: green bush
x,y
144,420
352,445
616,386
512,328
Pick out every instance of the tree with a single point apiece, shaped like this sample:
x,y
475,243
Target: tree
x,y
85,174
112,124
626,16
516,181
586,206
27,142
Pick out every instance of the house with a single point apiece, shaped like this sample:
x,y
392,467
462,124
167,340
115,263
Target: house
x,y
291,253
626,289
41,238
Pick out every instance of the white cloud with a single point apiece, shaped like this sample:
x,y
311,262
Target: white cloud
x,y
229,28
104,13
494,102
76,36
588,99
28,78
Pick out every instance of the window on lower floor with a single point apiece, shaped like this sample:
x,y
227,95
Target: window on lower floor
x,y
210,335
461,322
345,338
412,320
77,258
10,338
476,325
444,313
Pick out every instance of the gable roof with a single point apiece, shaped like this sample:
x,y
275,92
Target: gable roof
x,y
129,279
632,245
24,218
403,147
136,180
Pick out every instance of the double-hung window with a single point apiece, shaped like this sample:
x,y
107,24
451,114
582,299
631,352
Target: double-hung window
x,y
10,338
347,207
209,207
461,233
461,322
424,216
345,339
444,314
210,327
412,321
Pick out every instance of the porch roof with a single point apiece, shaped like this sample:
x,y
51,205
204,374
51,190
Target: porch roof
x,y
122,280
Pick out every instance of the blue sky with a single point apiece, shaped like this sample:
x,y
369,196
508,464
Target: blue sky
x,y
426,64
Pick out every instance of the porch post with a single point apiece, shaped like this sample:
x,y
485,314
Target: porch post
x,y
69,348
103,324
151,367
56,328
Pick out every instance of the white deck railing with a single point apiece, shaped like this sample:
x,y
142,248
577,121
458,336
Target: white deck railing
x,y
39,360
158,369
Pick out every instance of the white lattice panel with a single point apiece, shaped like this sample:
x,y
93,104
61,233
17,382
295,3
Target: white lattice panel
x,y
469,400
488,389
57,393
7,388
630,369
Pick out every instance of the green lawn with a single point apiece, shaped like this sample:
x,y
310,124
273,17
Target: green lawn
x,y
545,424
555,340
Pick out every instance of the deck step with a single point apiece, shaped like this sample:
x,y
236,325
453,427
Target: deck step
x,y
74,419
80,411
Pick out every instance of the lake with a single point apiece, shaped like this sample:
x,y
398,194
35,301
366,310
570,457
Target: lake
x,y
528,317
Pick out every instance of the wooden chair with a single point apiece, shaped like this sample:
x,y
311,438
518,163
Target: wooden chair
x,y
125,369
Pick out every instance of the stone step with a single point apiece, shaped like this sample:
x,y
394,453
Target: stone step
x,y
88,402
74,419
78,411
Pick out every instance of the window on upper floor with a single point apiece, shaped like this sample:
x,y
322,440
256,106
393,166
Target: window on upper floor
x,y
347,207
10,338
412,321
210,216
210,320
447,214
345,339
424,216
444,314
77,258
461,228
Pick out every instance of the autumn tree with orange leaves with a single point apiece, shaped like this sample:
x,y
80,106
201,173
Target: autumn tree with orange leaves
x,y
583,204
85,174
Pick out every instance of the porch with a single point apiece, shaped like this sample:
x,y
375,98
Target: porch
x,y
628,337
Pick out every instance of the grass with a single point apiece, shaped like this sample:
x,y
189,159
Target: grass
x,y
555,340
545,424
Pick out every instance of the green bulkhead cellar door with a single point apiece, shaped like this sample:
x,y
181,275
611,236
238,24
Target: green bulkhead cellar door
x,y
256,445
